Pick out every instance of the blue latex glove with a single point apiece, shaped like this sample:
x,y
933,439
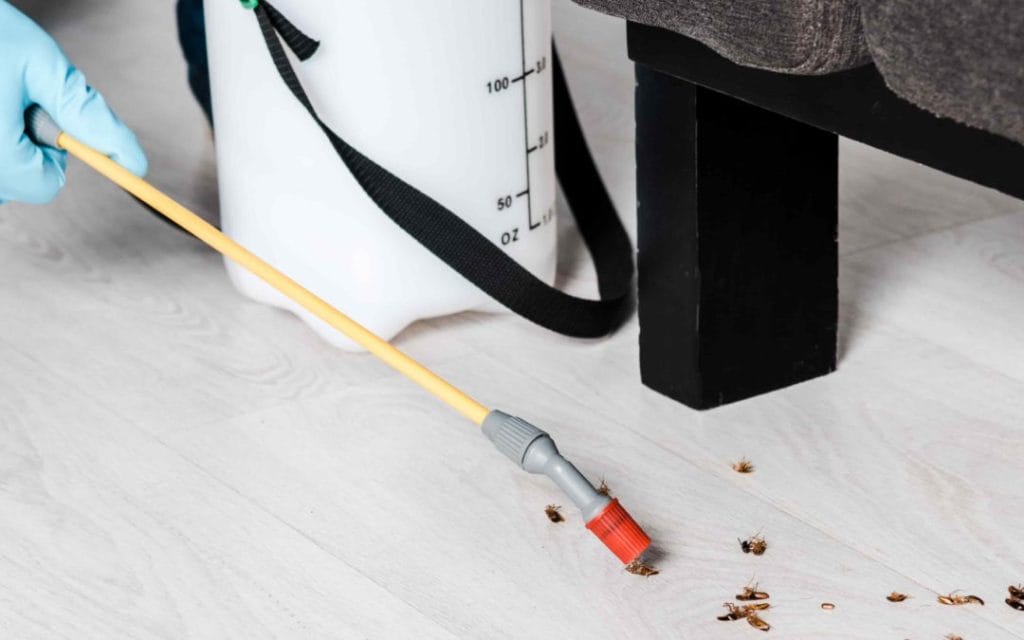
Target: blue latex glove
x,y
33,69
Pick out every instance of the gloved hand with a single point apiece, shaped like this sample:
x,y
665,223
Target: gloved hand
x,y
33,69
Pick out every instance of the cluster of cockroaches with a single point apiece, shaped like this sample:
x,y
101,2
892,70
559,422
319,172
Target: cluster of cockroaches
x,y
750,610
757,545
752,604
752,600
637,567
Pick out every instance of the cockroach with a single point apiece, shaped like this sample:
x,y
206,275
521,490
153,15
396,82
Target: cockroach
x,y
747,611
750,592
735,612
755,545
743,466
552,511
739,612
1016,599
603,489
755,621
953,636
957,599
827,606
640,568
896,596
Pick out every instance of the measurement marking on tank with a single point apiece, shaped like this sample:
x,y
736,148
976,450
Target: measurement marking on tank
x,y
526,114
541,143
523,77
531,145
498,85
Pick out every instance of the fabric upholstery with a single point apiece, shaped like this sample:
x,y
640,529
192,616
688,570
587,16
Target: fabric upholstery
x,y
790,36
962,60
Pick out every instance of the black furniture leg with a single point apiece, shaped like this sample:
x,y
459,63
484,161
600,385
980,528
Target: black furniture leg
x,y
738,258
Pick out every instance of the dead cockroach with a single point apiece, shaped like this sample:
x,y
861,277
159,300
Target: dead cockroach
x,y
755,621
552,511
1016,599
750,592
957,599
736,612
747,611
640,568
743,466
827,606
755,545
603,489
896,596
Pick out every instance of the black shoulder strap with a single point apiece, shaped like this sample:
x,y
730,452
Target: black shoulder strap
x,y
465,249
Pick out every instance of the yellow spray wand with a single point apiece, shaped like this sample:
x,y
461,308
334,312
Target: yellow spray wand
x,y
525,444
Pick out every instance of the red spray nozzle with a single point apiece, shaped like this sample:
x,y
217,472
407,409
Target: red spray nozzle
x,y
535,451
619,532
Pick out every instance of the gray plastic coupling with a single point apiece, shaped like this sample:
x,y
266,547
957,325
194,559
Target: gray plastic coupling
x,y
534,451
40,127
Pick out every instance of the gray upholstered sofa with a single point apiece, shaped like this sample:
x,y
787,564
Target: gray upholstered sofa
x,y
739,105
963,59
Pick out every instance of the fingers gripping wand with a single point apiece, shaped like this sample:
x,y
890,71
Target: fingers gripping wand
x,y
527,446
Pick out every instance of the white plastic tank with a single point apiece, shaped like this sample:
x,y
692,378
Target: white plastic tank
x,y
453,96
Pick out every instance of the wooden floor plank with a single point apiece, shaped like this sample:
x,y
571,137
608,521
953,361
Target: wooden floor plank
x,y
106,532
962,289
153,306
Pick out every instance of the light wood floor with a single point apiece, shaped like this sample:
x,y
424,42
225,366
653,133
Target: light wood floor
x,y
178,462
